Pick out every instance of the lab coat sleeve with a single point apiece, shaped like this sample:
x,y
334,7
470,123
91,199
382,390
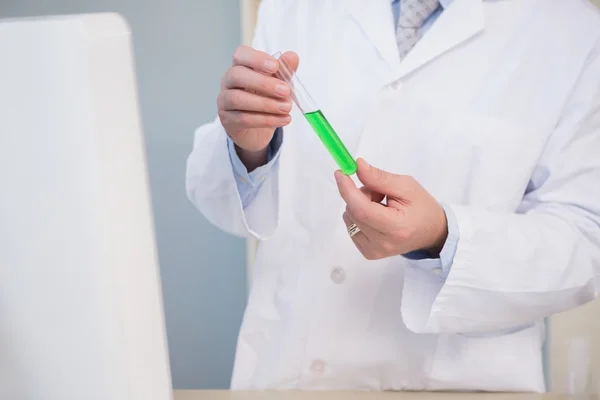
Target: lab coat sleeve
x,y
249,183
512,269
210,181
444,261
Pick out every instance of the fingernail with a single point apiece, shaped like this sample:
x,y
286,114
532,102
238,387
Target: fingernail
x,y
270,65
284,106
338,175
282,90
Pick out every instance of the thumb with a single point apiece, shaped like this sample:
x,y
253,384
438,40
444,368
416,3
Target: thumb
x,y
288,64
381,181
291,60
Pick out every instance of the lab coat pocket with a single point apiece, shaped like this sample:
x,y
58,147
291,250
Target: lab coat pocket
x,y
460,156
502,155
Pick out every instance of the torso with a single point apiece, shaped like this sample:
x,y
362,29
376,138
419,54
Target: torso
x,y
469,125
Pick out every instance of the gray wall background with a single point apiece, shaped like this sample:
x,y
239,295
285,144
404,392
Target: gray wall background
x,y
182,48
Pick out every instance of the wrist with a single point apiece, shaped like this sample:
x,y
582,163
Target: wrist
x,y
439,235
252,159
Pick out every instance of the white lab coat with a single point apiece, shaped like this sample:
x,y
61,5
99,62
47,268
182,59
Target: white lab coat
x,y
496,112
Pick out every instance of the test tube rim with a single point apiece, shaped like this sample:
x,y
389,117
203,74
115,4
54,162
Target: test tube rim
x,y
296,85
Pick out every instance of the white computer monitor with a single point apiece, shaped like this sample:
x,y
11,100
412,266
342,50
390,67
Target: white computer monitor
x,y
81,314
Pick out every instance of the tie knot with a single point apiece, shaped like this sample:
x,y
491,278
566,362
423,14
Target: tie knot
x,y
413,13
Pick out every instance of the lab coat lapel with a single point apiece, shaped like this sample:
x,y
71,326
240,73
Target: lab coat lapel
x,y
375,19
462,20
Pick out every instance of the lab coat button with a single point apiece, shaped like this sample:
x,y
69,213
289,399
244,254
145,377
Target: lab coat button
x,y
438,271
318,367
338,275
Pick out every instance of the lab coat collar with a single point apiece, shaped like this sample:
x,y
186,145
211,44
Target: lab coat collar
x,y
445,3
461,20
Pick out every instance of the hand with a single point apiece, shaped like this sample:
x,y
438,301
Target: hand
x,y
411,219
252,102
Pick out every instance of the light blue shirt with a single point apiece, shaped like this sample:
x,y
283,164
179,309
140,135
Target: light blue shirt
x,y
248,184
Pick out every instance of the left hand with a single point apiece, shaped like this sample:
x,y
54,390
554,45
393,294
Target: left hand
x,y
411,219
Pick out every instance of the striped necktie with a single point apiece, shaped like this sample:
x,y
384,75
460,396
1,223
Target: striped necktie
x,y
412,16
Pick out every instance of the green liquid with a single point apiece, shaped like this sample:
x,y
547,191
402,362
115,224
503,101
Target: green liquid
x,y
332,142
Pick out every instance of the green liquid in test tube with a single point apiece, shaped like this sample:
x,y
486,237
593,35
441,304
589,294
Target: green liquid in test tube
x,y
316,119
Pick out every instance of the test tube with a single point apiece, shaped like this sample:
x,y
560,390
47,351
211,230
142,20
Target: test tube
x,y
316,119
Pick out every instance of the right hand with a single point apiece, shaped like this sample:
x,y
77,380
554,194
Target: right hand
x,y
253,103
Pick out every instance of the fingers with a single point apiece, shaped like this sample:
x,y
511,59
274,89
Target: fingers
x,y
360,239
239,100
262,62
251,97
383,182
354,197
288,63
253,71
240,77
374,196
259,61
360,205
253,102
291,60
367,241
250,120
348,220
369,232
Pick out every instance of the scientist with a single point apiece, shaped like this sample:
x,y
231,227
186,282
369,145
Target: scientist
x,y
475,212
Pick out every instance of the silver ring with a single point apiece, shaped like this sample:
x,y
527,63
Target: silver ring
x,y
353,230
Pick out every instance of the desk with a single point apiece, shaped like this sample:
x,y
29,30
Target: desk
x,y
291,395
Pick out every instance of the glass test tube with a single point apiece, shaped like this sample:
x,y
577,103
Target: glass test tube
x,y
316,119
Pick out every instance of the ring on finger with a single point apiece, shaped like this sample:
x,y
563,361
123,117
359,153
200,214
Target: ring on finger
x,y
353,229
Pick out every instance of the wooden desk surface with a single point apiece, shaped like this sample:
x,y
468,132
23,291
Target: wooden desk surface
x,y
307,395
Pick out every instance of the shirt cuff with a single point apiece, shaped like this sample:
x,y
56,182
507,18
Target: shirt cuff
x,y
448,251
248,183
